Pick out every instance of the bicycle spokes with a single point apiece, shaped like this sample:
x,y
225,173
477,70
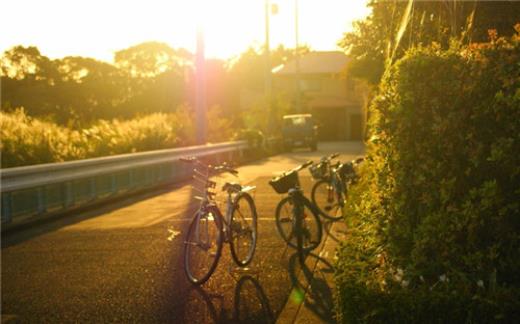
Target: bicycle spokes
x,y
243,230
202,248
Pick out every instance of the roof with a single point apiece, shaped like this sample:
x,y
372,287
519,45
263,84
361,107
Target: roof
x,y
315,63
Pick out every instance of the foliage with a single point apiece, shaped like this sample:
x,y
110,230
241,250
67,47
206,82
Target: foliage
x,y
373,41
147,78
249,68
150,59
435,229
265,116
27,140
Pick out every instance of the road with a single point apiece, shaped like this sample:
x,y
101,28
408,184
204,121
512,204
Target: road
x,y
123,262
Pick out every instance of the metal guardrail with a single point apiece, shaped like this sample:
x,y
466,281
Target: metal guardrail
x,y
32,191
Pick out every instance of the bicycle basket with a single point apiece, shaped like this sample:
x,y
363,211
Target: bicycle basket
x,y
283,183
318,171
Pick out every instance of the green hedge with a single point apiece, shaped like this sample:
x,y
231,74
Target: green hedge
x,y
436,225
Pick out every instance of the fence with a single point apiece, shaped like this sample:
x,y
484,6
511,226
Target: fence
x,y
32,192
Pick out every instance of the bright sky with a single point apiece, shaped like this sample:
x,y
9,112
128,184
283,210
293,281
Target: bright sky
x,y
98,28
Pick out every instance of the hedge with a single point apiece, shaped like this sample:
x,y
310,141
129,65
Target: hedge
x,y
435,225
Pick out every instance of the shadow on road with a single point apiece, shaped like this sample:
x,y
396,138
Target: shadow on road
x,y
327,225
250,304
47,225
310,285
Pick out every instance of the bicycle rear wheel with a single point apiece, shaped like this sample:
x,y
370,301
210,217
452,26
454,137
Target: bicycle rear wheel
x,y
286,224
329,201
202,247
243,229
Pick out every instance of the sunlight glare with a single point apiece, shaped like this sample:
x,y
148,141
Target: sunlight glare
x,y
231,26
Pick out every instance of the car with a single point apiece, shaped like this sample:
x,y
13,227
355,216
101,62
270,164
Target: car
x,y
299,130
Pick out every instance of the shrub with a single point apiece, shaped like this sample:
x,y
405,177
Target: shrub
x,y
439,220
27,140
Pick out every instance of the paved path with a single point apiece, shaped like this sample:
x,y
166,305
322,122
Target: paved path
x,y
123,263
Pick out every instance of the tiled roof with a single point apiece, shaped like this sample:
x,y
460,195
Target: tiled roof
x,y
315,63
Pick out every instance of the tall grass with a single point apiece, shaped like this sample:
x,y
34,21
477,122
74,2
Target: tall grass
x,y
26,140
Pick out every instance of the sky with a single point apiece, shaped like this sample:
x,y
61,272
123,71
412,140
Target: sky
x,y
98,28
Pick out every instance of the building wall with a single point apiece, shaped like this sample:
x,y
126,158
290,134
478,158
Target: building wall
x,y
335,102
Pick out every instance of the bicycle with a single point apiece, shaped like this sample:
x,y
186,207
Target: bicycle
x,y
329,193
297,218
209,228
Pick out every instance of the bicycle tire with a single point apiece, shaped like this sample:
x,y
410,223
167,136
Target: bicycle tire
x,y
286,225
328,202
196,272
239,225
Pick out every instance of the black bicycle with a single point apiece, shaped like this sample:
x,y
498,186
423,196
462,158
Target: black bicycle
x,y
209,228
297,218
329,193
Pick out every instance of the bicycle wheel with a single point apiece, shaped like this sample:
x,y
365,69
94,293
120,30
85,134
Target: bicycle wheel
x,y
243,229
203,247
329,201
286,224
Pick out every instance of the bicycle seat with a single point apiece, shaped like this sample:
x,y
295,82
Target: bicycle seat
x,y
232,187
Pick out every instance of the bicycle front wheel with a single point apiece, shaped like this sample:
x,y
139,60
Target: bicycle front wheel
x,y
243,229
329,201
202,247
310,230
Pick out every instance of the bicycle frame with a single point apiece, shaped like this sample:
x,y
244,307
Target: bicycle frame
x,y
305,228
338,184
208,204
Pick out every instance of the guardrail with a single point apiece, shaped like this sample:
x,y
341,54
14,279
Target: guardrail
x,y
31,192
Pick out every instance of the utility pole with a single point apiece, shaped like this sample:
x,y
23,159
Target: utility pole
x,y
267,53
200,89
272,122
297,58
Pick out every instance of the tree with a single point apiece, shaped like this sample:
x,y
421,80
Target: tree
x,y
26,76
150,59
374,40
92,89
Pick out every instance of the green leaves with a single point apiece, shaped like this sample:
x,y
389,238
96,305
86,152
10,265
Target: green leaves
x,y
440,197
27,141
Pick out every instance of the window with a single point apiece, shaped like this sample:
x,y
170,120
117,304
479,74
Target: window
x,y
310,85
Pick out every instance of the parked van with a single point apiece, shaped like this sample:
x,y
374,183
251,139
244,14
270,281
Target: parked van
x,y
300,130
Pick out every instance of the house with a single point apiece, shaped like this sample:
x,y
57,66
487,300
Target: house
x,y
335,100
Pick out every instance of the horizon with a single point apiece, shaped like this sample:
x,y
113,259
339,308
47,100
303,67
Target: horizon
x,y
62,32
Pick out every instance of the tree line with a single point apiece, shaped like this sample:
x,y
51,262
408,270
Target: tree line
x,y
151,77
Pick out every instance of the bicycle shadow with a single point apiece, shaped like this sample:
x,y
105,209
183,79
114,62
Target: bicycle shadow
x,y
250,304
327,228
310,285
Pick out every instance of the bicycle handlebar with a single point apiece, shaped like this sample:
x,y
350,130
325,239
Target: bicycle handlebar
x,y
300,167
190,159
225,168
329,157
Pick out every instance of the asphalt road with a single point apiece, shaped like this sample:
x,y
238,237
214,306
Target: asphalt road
x,y
123,262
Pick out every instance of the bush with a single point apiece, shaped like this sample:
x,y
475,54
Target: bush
x,y
27,141
439,220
